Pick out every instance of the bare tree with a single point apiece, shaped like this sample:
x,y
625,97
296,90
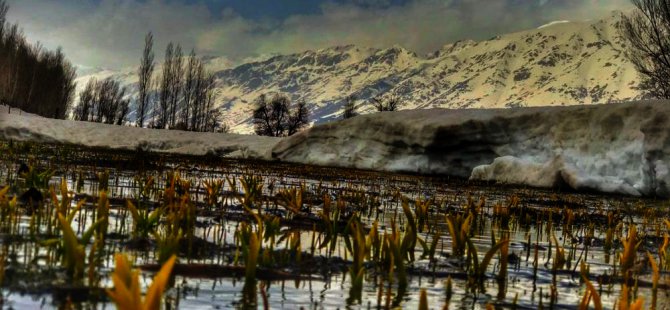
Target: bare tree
x,y
103,102
647,31
274,117
165,94
392,103
349,107
189,90
186,96
145,74
298,118
84,110
213,115
177,72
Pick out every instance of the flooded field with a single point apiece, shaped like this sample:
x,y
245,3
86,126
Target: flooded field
x,y
269,235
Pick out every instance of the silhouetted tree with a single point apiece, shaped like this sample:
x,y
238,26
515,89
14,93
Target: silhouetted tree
x,y
274,117
647,31
349,107
83,111
188,90
165,92
298,118
212,115
103,102
31,78
177,73
145,74
197,97
392,103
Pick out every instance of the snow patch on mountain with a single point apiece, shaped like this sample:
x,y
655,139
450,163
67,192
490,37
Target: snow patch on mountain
x,y
556,22
615,148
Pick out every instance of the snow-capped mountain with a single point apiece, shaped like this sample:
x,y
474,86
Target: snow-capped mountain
x,y
560,63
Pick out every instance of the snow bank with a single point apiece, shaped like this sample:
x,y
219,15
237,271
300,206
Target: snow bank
x,y
616,148
5,109
22,127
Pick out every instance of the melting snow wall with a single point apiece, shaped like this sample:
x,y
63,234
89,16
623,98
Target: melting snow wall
x,y
615,148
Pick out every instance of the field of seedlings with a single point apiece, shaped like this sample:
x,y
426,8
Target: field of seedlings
x,y
86,228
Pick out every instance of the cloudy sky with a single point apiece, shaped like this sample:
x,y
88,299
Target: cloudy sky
x,y
110,33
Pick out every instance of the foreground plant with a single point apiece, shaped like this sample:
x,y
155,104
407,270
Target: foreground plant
x,y
421,212
664,253
126,293
145,223
478,273
559,260
8,211
627,258
292,199
250,243
73,250
655,277
423,300
252,187
624,301
330,218
213,190
459,229
167,244
359,248
590,294
429,249
37,179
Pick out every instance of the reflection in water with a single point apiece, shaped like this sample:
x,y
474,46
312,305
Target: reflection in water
x,y
249,294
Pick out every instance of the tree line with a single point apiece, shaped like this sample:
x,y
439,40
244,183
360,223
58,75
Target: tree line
x,y
102,102
32,78
182,97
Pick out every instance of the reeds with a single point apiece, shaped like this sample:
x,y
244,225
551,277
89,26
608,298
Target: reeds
x,y
145,223
624,302
478,272
365,229
359,249
250,242
590,293
291,199
627,257
74,251
423,300
213,190
459,229
655,277
559,259
252,187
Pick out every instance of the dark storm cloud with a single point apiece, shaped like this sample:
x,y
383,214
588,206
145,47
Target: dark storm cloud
x,y
110,33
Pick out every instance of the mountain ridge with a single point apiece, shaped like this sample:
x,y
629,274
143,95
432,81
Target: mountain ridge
x,y
558,64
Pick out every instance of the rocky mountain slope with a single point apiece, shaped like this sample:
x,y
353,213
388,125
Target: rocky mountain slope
x,y
561,63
